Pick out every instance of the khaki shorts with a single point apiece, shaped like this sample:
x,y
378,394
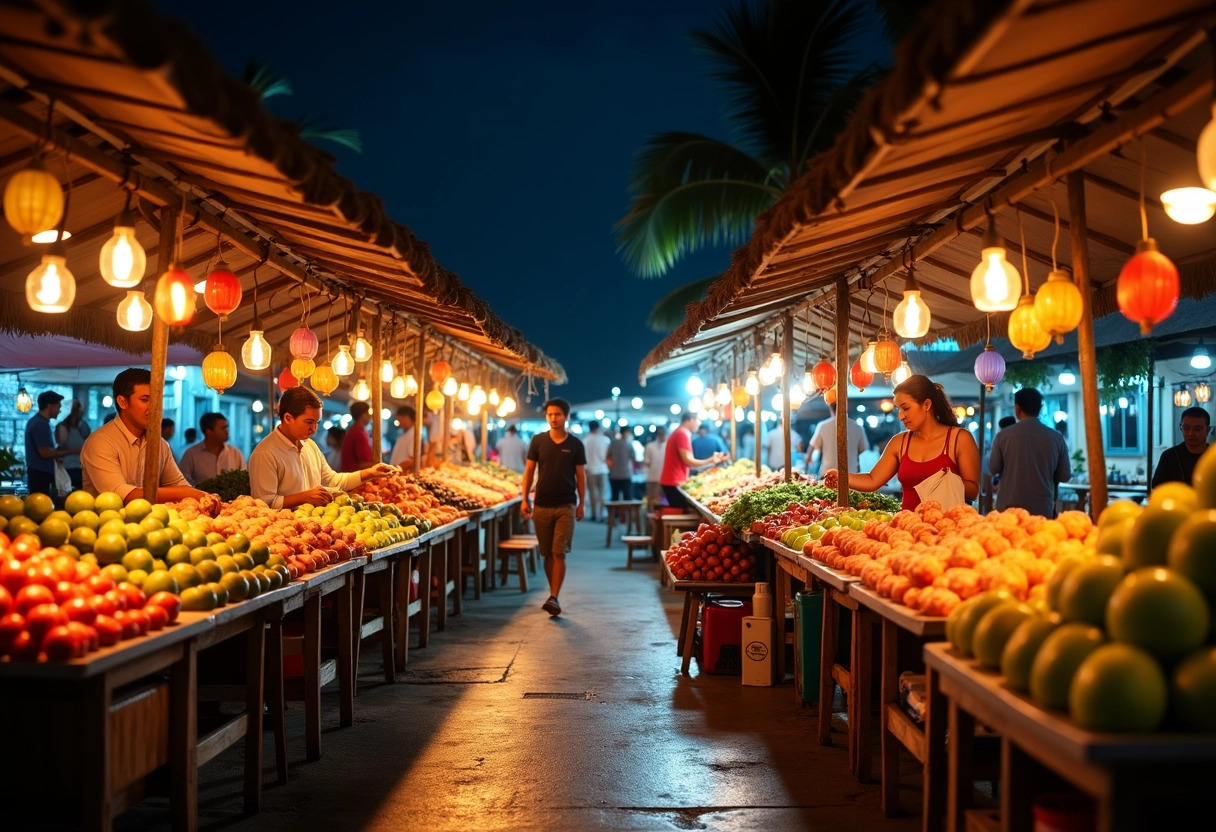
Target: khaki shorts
x,y
554,528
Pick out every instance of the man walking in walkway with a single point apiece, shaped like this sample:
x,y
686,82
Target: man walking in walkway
x,y
557,462
596,446
356,444
512,452
1030,459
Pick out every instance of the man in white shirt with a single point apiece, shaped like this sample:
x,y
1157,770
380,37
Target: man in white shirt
x,y
403,449
652,463
596,471
774,446
287,469
213,454
112,458
512,452
823,443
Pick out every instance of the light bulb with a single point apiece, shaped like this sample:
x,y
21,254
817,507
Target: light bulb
x,y
477,396
912,315
1203,393
1067,377
450,386
765,375
256,352
343,363
123,260
134,312
51,287
494,398
25,403
474,409
752,385
396,388
1189,206
694,386
901,375
509,404
707,400
386,371
995,283
776,365
411,385
362,391
462,392
797,396
363,350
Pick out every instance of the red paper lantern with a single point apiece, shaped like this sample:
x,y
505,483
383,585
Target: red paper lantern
x,y
174,297
824,375
222,292
887,356
440,371
860,378
303,343
1148,286
286,380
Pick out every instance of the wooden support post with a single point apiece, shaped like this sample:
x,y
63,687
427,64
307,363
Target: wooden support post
x,y
759,422
485,418
377,402
1085,344
787,361
1150,414
842,389
984,493
734,434
166,252
419,404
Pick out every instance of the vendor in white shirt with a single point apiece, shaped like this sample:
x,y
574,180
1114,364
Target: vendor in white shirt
x,y
403,448
213,455
287,469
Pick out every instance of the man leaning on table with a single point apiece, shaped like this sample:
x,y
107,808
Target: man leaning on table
x,y
112,458
1177,464
287,469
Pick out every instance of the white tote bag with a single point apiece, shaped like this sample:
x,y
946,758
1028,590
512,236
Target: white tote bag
x,y
63,482
945,486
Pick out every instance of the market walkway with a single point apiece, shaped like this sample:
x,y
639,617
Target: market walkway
x,y
456,746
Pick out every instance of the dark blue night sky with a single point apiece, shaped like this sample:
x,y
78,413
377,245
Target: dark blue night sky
x,y
502,135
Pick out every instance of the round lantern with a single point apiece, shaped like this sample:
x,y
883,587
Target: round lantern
x,y
256,351
303,343
861,377
123,260
302,368
33,200
829,395
824,375
867,358
1203,392
989,368
386,371
361,391
494,399
740,397
1057,305
219,369
51,287
887,356
397,388
450,387
901,375
411,387
1024,330
363,349
222,292
286,380
995,283
912,315
434,400
323,379
440,370
134,312
174,298
25,402
1148,288
462,392
344,362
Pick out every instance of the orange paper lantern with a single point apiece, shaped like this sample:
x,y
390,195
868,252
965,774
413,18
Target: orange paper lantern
x,y
1148,288
222,291
440,371
174,298
887,357
860,377
824,375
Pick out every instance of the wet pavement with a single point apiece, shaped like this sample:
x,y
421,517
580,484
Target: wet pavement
x,y
510,719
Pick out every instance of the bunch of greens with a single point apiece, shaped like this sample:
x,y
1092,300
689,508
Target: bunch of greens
x,y
228,484
756,505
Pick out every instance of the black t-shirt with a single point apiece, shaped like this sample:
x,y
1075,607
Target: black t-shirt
x,y
555,481
1176,464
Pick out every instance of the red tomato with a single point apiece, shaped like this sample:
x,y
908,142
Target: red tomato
x,y
33,595
103,605
64,565
130,626
41,574
735,570
4,541
65,591
135,596
717,570
723,539
61,644
157,617
42,618
24,648
80,609
170,603
25,546
109,631
12,574
686,536
100,584
141,620
727,551
86,570
87,635
10,626
698,575
119,598
711,549
713,560
6,602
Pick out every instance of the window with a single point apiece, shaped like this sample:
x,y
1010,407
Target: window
x,y
1121,423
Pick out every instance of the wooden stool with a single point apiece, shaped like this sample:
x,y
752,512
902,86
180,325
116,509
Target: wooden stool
x,y
534,553
520,549
630,512
634,541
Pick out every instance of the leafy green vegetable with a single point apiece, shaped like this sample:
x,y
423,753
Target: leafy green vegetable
x,y
755,505
228,484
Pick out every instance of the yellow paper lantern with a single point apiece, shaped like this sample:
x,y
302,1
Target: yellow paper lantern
x,y
219,369
1057,305
740,397
434,400
302,368
1024,330
33,200
123,260
323,379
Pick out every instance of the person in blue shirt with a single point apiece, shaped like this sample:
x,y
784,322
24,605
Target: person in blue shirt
x,y
1030,458
40,451
707,443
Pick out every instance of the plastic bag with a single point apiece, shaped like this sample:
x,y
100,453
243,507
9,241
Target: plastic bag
x,y
945,486
63,482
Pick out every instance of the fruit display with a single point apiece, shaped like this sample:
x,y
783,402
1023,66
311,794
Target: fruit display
x,y
755,505
464,496
711,553
489,475
469,483
720,481
408,494
802,522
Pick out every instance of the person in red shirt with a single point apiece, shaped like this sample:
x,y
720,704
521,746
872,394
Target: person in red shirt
x,y
679,459
356,444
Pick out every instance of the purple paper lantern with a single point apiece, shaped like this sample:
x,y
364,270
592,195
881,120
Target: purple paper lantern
x,y
989,368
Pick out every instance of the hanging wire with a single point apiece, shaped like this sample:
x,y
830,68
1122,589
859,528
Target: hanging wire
x,y
256,320
1025,269
1055,210
1143,175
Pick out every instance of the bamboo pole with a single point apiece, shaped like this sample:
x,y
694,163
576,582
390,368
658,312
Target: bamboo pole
x,y
377,402
1086,353
787,361
419,404
170,221
984,494
758,421
485,416
734,433
842,390
1150,412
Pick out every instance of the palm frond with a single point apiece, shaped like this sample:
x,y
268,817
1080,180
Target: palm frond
x,y
266,82
347,137
690,191
900,16
669,310
832,118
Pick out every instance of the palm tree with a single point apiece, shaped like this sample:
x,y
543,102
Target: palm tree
x,y
795,76
267,84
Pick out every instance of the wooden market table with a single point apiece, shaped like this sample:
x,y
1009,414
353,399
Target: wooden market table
x,y
1120,771
432,554
1134,491
789,569
384,564
694,594
895,726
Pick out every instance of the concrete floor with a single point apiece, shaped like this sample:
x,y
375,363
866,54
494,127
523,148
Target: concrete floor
x,y
455,745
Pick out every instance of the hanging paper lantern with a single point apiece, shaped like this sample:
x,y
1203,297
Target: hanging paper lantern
x,y
303,343
256,351
509,404
995,283
411,386
386,371
887,356
912,315
123,260
222,293
860,377
1203,393
434,400
323,379
440,370
134,312
396,388
450,387
51,286
344,362
1148,288
901,375
361,391
286,380
829,395
824,375
740,397
362,350
867,358
219,369
1057,305
174,298
495,399
477,396
752,384
1024,330
302,368
33,200
989,368
1182,397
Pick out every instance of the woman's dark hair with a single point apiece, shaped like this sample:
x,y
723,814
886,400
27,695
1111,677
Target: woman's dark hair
x,y
922,389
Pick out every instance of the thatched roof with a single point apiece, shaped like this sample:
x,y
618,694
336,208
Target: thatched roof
x,y
139,104
988,106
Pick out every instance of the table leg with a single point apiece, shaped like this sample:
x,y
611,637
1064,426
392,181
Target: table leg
x,y
1018,788
441,568
961,759
827,660
691,607
359,593
401,612
183,740
454,575
312,677
861,670
608,522
274,692
889,695
779,603
934,809
386,585
426,558
348,639
683,624
96,802
255,654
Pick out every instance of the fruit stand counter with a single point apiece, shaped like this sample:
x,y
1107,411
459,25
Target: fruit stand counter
x,y
432,556
93,728
709,516
382,567
895,726
694,593
788,570
1122,772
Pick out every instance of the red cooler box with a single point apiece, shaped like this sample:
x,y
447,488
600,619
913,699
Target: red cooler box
x,y
722,634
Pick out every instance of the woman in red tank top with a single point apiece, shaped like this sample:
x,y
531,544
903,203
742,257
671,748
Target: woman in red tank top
x,y
931,442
